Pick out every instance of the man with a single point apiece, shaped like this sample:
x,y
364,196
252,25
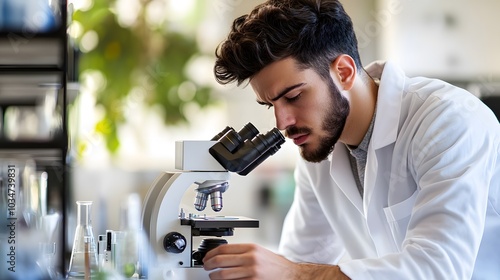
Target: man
x,y
399,177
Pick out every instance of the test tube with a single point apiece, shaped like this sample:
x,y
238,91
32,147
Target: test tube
x,y
101,250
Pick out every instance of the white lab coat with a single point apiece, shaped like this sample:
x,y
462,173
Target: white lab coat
x,y
432,190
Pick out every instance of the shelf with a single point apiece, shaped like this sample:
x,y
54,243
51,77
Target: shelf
x,y
33,102
19,34
33,144
29,88
18,51
34,68
39,154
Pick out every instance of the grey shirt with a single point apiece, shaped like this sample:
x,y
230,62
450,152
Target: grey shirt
x,y
357,158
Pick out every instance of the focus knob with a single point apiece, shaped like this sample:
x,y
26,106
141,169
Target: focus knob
x,y
174,242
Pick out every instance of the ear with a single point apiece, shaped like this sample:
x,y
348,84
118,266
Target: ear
x,y
344,69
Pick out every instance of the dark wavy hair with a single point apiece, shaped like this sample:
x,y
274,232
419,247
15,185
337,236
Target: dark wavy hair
x,y
314,32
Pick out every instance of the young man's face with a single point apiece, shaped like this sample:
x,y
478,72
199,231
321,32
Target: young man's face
x,y
311,111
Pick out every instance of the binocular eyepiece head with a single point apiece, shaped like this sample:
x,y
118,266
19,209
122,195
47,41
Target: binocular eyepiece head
x,y
244,150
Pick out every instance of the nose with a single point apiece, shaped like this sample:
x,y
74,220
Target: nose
x,y
284,117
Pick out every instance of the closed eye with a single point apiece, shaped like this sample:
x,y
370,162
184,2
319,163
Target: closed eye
x,y
283,94
268,105
293,98
288,99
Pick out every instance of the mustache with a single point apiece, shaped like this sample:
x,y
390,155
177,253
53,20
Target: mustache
x,y
293,130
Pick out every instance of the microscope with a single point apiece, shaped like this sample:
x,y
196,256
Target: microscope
x,y
205,166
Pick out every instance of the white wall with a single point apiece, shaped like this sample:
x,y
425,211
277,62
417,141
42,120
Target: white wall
x,y
456,40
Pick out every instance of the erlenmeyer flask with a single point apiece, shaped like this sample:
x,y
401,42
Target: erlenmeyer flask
x,y
83,263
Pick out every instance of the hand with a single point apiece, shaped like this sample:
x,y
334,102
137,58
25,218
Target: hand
x,y
247,261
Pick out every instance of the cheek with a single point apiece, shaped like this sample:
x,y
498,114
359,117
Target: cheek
x,y
311,117
318,110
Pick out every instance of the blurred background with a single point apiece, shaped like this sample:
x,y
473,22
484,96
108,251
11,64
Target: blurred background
x,y
140,77
146,81
145,76
145,68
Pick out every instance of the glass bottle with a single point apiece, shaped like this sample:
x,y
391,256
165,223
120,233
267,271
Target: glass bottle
x,y
83,263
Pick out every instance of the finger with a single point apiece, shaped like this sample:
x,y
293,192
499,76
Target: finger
x,y
223,261
229,249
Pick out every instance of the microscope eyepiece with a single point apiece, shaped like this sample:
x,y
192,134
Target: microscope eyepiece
x,y
220,134
241,155
271,139
231,140
248,132
239,152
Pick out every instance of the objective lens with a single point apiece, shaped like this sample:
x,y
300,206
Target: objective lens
x,y
212,188
216,200
201,201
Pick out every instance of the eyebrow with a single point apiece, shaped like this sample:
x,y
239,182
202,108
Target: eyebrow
x,y
282,93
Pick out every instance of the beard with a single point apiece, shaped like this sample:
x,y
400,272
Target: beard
x,y
333,124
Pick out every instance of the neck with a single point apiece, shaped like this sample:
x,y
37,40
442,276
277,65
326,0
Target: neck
x,y
362,99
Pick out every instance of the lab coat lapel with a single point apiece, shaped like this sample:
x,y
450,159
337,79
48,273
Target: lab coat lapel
x,y
340,170
379,158
385,130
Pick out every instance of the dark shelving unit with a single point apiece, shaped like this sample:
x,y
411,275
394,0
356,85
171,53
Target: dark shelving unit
x,y
33,78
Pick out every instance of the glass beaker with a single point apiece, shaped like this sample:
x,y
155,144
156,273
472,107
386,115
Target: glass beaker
x,y
83,263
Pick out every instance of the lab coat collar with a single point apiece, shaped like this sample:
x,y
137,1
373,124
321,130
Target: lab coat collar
x,y
391,86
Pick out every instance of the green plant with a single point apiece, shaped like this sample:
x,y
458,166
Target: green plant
x,y
151,59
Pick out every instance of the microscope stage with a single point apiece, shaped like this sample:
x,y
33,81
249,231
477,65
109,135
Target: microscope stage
x,y
211,222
